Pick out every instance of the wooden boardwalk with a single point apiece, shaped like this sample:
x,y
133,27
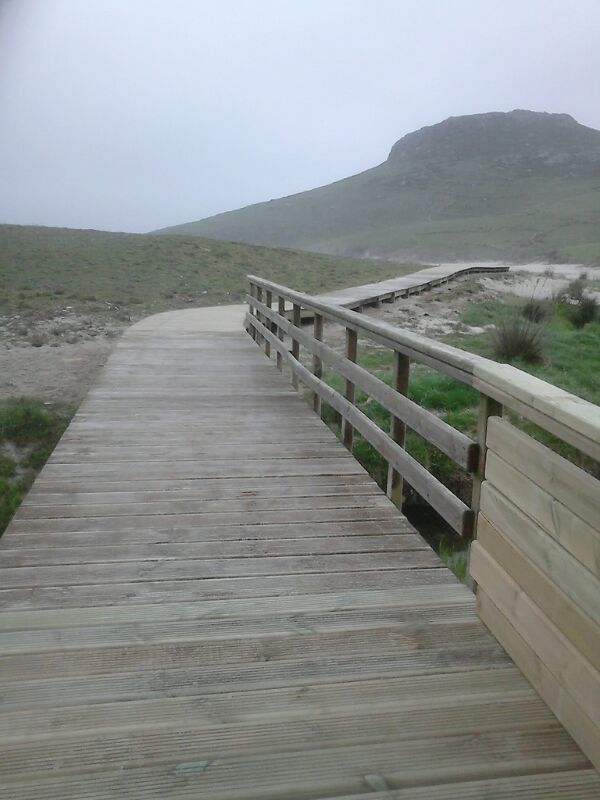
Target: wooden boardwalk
x,y
205,596
355,297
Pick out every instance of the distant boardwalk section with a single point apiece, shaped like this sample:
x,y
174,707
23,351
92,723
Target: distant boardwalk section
x,y
387,291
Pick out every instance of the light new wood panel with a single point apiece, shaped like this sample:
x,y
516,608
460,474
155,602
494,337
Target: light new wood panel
x,y
536,563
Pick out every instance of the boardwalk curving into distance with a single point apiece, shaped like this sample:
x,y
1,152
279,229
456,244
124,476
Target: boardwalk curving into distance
x,y
387,291
205,596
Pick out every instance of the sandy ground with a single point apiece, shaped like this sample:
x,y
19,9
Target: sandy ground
x,y
54,360
438,311
58,359
543,285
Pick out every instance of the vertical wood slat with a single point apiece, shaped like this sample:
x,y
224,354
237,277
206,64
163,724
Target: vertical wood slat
x,y
253,310
269,303
395,481
487,408
281,312
295,343
351,352
259,316
317,363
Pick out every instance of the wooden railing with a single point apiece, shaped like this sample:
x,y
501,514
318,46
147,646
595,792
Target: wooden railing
x,y
536,515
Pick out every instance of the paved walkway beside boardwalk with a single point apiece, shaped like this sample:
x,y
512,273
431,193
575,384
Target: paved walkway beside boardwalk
x,y
205,596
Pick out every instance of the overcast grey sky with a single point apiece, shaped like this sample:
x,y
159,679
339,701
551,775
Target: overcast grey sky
x,y
136,114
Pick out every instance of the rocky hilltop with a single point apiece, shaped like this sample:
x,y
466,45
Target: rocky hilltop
x,y
515,185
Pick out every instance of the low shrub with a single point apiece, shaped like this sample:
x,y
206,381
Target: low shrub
x,y
516,338
582,312
455,556
29,431
23,421
536,310
10,498
574,292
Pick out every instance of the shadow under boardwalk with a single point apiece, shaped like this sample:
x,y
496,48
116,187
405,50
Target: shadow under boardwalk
x,y
205,595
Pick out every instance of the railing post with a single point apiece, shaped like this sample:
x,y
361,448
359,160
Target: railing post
x,y
295,342
351,352
269,303
488,407
395,481
252,310
281,312
259,296
317,363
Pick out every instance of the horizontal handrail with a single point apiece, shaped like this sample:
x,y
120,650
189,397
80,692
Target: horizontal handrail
x,y
565,415
443,357
454,511
571,418
456,445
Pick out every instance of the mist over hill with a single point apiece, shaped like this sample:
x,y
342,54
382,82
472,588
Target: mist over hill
x,y
519,185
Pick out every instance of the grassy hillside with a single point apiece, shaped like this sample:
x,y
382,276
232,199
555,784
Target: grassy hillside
x,y
42,269
516,186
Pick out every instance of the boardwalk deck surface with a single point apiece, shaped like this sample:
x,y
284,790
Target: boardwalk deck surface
x,y
205,596
355,297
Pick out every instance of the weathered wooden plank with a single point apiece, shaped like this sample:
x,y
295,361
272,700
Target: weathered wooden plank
x,y
212,487
214,452
190,569
499,686
279,645
220,490
449,595
181,507
241,548
339,465
126,749
165,522
349,388
400,380
206,533
580,784
248,676
190,590
303,773
460,618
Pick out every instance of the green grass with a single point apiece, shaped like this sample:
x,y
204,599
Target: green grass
x,y
29,431
43,270
572,355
